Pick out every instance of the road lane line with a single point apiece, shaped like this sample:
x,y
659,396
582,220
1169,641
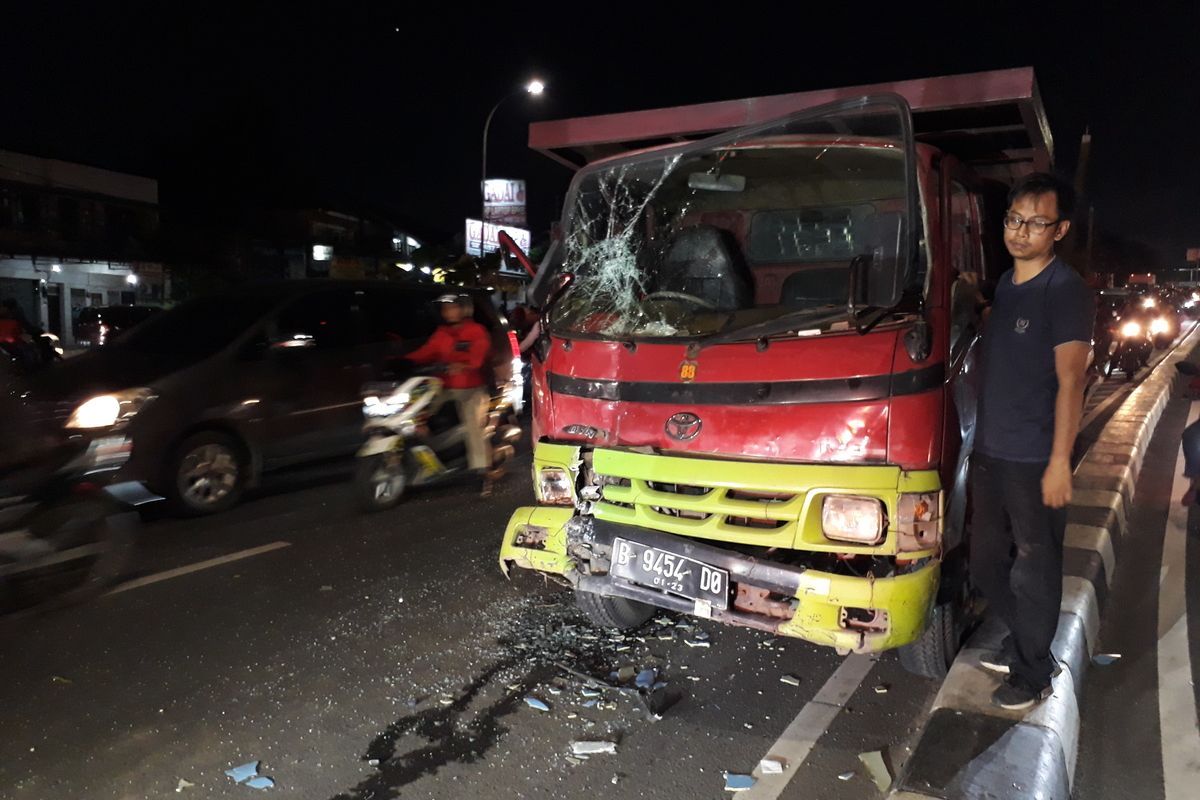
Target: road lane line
x,y
794,745
158,577
1176,697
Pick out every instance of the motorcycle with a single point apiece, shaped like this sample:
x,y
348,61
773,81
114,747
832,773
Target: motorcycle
x,y
415,438
1133,344
34,355
66,531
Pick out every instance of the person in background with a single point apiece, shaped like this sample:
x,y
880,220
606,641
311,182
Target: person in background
x,y
463,345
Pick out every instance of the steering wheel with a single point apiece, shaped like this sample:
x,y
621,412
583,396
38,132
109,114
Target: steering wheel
x,y
684,296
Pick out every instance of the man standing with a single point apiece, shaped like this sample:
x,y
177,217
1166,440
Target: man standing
x,y
1035,354
463,345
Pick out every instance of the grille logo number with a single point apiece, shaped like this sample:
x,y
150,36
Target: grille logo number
x,y
683,427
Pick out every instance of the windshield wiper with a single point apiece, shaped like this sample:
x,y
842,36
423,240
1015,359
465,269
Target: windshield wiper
x,y
866,317
792,320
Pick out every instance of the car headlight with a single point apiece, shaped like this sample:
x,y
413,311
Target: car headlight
x,y
1159,325
1131,329
554,486
107,410
852,519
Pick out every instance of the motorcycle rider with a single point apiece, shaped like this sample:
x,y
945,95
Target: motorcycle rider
x,y
464,346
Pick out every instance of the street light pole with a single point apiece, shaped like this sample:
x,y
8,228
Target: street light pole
x,y
535,88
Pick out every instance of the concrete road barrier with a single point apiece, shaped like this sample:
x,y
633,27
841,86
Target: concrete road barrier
x,y
971,750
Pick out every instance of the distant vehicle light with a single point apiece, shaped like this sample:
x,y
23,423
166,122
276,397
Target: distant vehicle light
x,y
1148,302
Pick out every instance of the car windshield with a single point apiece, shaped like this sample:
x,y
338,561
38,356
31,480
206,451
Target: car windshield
x,y
740,230
198,328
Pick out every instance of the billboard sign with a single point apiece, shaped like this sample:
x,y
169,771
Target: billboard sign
x,y
1193,254
504,202
490,236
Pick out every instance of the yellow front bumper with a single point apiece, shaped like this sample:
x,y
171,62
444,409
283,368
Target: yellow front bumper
x,y
906,598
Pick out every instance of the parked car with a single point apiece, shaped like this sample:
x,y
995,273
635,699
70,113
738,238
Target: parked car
x,y
219,390
98,325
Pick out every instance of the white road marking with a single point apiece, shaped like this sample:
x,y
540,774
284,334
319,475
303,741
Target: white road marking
x,y
1176,697
794,745
158,577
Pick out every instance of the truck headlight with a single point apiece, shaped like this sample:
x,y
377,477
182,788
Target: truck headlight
x,y
1131,329
107,410
847,518
1159,325
554,486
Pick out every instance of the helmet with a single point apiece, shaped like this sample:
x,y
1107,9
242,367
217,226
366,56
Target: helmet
x,y
463,301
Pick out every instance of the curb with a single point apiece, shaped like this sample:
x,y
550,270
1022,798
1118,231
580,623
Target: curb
x,y
970,750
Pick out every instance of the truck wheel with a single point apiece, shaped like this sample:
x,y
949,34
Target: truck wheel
x,y
613,612
930,656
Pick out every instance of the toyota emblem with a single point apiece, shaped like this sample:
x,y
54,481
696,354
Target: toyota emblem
x,y
683,427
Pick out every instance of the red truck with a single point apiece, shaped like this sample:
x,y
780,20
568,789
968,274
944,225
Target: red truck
x,y
753,393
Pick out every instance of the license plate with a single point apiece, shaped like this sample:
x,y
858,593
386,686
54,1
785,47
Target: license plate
x,y
670,572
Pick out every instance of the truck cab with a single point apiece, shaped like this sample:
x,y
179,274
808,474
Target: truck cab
x,y
753,394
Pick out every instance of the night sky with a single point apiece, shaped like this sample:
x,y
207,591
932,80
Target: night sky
x,y
240,106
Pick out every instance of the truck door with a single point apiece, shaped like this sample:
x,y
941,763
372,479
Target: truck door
x,y
966,275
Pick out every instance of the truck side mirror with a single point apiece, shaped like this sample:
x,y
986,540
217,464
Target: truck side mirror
x,y
514,257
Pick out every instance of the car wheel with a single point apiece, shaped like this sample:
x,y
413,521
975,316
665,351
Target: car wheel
x,y
207,474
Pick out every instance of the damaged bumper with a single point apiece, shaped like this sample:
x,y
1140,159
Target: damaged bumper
x,y
536,538
859,614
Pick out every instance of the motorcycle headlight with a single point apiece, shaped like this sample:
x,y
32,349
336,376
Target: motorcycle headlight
x,y
852,519
554,486
1159,325
1131,329
108,410
375,406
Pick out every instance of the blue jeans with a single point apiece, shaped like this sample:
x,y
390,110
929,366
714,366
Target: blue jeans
x,y
1191,450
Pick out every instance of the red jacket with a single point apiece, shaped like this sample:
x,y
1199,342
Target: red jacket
x,y
466,343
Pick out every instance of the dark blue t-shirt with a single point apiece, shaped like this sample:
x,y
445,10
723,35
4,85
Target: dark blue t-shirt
x,y
1019,383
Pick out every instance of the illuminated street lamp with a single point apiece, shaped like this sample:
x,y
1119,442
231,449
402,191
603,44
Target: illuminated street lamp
x,y
535,88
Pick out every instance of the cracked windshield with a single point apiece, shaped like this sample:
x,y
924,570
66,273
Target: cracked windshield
x,y
756,232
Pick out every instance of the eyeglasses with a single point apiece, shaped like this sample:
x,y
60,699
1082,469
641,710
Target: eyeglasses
x,y
1036,226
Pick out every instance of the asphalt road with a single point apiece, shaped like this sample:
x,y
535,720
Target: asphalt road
x,y
395,638
1140,737
386,656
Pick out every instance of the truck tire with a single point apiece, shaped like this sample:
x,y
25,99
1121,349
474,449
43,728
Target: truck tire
x,y
931,655
613,612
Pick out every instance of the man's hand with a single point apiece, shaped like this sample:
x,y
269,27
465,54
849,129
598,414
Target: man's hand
x,y
1056,484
